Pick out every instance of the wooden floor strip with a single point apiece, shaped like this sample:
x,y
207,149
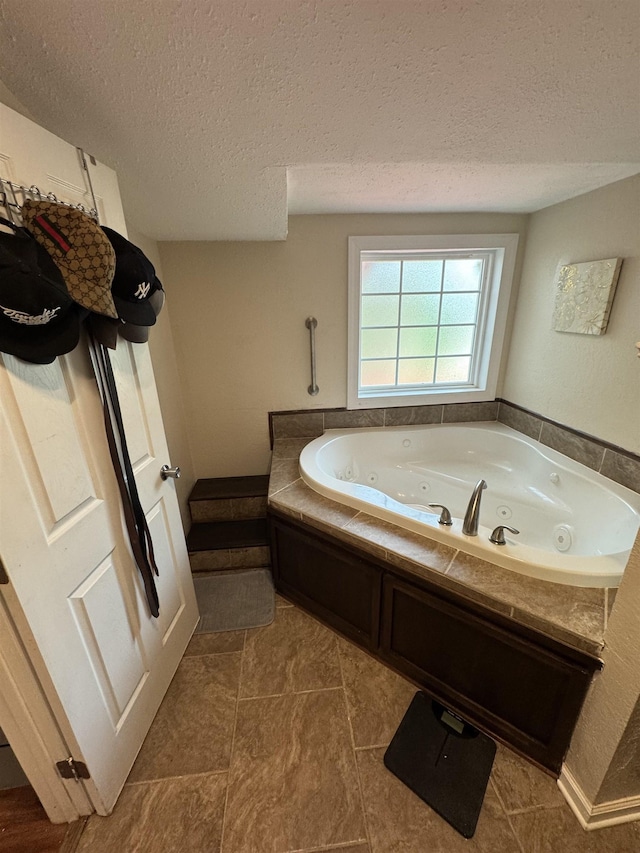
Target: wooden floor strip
x,y
24,825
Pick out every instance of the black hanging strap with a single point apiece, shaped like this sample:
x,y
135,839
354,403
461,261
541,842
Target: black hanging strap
x,y
141,520
135,519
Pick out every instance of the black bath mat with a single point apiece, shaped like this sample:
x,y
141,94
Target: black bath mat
x,y
444,760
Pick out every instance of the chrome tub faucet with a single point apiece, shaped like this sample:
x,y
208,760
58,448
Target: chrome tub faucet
x,y
472,515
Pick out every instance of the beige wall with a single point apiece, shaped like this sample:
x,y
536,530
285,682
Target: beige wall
x,y
623,775
597,758
589,382
238,312
165,369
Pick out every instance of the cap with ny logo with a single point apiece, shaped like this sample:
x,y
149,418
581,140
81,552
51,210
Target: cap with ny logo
x,y
134,281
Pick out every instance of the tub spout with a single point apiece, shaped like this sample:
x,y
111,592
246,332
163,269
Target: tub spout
x,y
472,515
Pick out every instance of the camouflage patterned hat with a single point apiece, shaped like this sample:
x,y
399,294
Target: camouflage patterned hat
x,y
80,249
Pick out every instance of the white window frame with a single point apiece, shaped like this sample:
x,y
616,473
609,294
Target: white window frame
x,y
492,316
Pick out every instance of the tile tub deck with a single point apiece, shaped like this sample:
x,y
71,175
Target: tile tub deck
x,y
573,615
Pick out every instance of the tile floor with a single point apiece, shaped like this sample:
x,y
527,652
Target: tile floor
x,y
271,741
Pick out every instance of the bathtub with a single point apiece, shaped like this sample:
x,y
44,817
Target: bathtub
x,y
576,526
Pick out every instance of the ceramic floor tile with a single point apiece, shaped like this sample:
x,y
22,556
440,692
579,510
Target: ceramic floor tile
x,y
402,547
400,821
192,730
214,644
521,785
250,558
298,425
376,696
213,510
289,448
294,653
553,830
170,816
298,497
293,783
284,472
210,561
561,611
282,602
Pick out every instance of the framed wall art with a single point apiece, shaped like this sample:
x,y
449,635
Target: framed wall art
x,y
584,295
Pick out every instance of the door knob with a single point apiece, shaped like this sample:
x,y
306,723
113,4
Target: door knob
x,y
166,471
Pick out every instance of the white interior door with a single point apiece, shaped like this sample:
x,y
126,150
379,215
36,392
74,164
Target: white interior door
x,y
62,537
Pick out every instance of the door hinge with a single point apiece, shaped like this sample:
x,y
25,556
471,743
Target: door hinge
x,y
70,769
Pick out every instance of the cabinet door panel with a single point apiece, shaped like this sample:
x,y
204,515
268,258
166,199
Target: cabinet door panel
x,y
516,688
339,587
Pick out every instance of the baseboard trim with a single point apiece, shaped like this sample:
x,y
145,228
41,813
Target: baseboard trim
x,y
596,816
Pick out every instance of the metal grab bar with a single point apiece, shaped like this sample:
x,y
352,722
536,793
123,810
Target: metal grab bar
x,y
311,324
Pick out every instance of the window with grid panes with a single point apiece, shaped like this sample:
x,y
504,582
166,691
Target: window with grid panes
x,y
427,317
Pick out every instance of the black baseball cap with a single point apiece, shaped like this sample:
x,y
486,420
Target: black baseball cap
x,y
38,318
104,329
133,282
140,334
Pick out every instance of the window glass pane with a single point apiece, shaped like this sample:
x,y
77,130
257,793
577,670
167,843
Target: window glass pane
x,y
426,317
421,275
378,343
380,310
455,340
463,274
419,310
380,276
421,341
459,308
453,369
377,373
415,371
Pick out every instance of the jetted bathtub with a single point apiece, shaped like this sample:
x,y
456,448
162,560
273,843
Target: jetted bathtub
x,y
576,526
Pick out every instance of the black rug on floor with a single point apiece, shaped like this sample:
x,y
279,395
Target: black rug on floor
x,y
444,760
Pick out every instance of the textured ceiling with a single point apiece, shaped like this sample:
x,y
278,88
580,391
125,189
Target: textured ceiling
x,y
222,117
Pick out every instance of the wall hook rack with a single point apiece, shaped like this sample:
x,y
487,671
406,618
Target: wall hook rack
x,y
13,196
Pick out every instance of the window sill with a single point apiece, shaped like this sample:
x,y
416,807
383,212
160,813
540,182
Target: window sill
x,y
398,398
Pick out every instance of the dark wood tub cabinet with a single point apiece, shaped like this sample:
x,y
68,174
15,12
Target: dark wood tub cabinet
x,y
514,683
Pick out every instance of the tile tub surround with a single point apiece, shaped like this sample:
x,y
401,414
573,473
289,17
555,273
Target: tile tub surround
x,y
576,616
302,769
618,464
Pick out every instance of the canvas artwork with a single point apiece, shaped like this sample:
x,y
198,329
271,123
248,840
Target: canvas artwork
x,y
584,294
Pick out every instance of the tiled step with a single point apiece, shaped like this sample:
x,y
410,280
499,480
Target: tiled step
x,y
217,545
229,498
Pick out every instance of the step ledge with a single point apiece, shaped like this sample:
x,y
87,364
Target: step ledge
x,y
223,488
217,535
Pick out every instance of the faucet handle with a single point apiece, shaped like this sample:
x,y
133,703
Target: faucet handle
x,y
445,515
497,537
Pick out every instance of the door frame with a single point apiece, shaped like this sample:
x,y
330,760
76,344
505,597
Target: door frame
x,y
32,718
